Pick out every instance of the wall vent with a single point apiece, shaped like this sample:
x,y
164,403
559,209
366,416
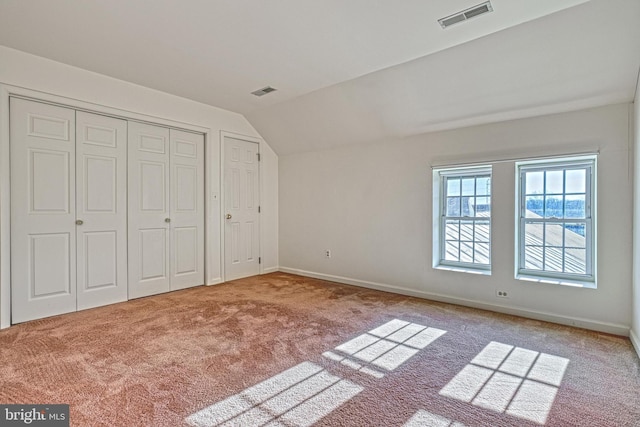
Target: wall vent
x,y
263,91
466,14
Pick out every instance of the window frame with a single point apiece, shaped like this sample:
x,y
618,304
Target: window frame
x,y
441,175
574,279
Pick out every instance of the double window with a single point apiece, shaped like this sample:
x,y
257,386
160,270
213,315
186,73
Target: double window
x,y
556,219
464,209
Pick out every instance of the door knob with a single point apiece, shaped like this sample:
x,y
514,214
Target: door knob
x,y
167,220
228,216
79,222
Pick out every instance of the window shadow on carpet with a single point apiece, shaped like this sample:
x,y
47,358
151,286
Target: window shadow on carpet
x,y
305,393
512,380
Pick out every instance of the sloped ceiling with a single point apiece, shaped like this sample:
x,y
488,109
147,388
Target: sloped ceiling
x,y
581,57
346,71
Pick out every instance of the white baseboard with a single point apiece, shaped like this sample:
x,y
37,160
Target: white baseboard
x,y
635,341
219,280
594,325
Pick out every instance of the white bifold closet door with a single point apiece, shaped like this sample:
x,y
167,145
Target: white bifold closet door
x,y
187,209
68,212
101,209
166,209
43,201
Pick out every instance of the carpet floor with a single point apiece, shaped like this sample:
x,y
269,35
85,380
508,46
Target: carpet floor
x,y
284,350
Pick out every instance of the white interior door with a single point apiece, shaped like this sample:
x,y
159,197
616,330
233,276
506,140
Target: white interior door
x,y
101,206
149,238
241,186
187,209
43,244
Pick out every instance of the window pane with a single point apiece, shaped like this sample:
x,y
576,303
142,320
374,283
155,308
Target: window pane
x,y
466,231
483,186
534,182
482,253
553,235
533,257
482,231
554,182
451,251
576,181
553,259
574,207
466,206
468,186
534,206
483,206
553,207
466,252
452,230
575,261
453,206
533,233
574,236
453,187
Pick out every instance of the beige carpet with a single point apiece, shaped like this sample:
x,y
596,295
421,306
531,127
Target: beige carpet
x,y
283,350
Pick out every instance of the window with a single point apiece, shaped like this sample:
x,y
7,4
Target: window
x,y
556,214
463,206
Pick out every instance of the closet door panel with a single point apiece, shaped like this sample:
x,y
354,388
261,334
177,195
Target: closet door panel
x,y
43,245
187,209
101,175
149,210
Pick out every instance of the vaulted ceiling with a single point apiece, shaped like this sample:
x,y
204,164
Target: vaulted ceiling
x,y
347,71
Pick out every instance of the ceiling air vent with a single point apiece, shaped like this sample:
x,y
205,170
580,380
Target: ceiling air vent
x,y
263,91
466,14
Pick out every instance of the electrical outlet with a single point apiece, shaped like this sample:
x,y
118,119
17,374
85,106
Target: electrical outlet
x,y
327,253
502,294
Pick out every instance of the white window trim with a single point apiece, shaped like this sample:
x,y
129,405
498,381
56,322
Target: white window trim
x,y
439,193
569,279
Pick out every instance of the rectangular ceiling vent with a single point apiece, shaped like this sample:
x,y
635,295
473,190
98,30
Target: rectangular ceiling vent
x,y
263,91
467,14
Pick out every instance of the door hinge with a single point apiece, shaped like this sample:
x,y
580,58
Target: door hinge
x,y
259,209
259,260
258,156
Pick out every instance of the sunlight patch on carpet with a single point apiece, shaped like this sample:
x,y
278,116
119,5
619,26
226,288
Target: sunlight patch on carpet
x,y
299,396
424,418
353,364
302,395
508,379
388,346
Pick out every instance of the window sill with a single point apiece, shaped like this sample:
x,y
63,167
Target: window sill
x,y
462,269
557,281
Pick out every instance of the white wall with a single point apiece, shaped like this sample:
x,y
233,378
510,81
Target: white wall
x,y
40,74
269,208
635,325
371,206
